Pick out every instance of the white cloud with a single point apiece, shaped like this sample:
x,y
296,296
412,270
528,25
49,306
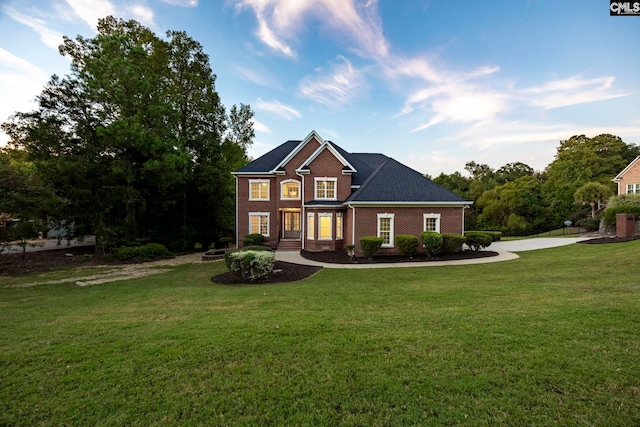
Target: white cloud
x,y
185,3
337,86
572,91
92,10
49,37
260,127
355,21
277,107
142,14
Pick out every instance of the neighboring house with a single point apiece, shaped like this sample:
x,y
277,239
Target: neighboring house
x,y
629,179
313,195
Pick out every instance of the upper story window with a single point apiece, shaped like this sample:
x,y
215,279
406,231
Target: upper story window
x,y
290,190
326,188
258,189
633,188
431,222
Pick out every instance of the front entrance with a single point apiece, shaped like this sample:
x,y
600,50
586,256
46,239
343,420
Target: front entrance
x,y
291,224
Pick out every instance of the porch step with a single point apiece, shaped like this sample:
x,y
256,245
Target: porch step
x,y
290,245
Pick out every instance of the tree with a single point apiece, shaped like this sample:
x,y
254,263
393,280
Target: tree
x,y
592,194
512,171
454,182
580,160
136,139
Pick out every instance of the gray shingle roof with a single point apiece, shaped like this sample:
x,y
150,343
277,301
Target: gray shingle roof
x,y
379,178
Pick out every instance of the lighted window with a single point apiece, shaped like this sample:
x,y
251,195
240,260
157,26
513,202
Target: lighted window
x,y
338,226
324,226
385,229
290,190
431,222
258,189
633,188
259,223
326,188
311,226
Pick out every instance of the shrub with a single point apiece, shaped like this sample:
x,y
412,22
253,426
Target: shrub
x,y
370,244
477,240
253,239
610,213
495,235
251,264
226,241
407,244
227,254
589,224
432,242
452,242
148,252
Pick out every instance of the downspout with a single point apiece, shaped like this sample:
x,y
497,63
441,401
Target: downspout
x,y
303,214
236,224
463,209
353,225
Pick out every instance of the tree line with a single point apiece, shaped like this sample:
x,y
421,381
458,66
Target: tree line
x,y
516,198
133,145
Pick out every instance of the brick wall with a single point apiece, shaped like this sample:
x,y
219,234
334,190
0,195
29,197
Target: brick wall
x,y
632,176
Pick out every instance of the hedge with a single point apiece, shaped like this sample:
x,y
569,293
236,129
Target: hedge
x,y
432,242
253,239
495,235
251,264
407,244
148,252
452,242
370,244
610,213
477,240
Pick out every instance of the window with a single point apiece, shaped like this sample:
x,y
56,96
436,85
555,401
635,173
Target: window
x,y
326,188
385,229
311,225
259,223
290,189
431,222
258,189
633,188
338,226
324,226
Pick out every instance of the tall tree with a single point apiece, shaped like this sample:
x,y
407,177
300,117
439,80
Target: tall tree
x,y
134,138
592,194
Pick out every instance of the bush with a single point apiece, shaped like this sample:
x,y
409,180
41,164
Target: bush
x,y
589,224
370,244
227,254
452,242
253,239
407,244
432,242
477,240
250,264
495,235
148,252
226,241
610,213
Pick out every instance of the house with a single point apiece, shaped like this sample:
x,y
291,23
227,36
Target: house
x,y
629,179
314,195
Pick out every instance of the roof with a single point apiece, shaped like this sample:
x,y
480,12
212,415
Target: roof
x,y
376,178
393,182
618,177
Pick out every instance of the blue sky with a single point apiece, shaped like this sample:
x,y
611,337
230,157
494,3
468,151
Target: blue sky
x,y
431,83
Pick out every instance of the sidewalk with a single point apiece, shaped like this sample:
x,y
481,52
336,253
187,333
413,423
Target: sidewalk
x,y
505,253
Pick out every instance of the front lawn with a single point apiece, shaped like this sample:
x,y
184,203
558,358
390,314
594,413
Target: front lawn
x,y
552,338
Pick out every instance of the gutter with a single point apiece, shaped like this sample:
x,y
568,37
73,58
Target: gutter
x,y
303,214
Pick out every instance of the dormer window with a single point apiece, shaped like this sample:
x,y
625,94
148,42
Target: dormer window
x,y
326,188
290,190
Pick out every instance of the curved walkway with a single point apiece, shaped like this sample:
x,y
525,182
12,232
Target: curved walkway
x,y
505,253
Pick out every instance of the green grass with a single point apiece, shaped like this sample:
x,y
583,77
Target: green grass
x,y
559,232
552,338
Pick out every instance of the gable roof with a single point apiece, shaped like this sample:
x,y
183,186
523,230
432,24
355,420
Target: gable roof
x,y
618,177
376,178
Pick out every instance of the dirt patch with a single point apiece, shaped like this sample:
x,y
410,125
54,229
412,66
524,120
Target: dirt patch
x,y
606,240
14,264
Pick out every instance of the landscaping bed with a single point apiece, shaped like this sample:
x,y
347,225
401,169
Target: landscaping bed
x,y
341,257
605,240
282,272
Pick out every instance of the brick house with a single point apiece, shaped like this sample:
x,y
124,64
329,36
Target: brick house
x,y
629,179
313,195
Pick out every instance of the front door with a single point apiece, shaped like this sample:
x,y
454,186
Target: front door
x,y
291,225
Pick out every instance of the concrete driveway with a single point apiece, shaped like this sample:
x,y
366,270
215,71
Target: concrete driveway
x,y
533,244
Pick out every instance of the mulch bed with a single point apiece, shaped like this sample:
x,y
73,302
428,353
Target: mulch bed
x,y
13,264
605,240
282,272
341,257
